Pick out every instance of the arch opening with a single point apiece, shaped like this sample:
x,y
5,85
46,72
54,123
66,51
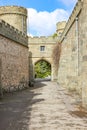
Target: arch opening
x,y
42,69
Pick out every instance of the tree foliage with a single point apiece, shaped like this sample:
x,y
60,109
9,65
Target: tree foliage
x,y
42,69
55,35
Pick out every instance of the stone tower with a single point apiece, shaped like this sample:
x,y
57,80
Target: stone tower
x,y
15,16
60,27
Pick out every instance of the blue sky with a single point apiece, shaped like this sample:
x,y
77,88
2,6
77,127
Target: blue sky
x,y
44,14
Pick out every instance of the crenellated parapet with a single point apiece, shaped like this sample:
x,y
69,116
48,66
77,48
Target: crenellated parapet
x,y
42,39
60,27
12,33
71,19
13,10
15,16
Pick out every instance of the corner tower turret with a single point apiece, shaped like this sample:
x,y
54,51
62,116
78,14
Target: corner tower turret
x,y
60,27
15,16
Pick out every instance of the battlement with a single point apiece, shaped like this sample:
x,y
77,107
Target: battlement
x,y
60,25
15,16
12,33
42,39
13,10
72,18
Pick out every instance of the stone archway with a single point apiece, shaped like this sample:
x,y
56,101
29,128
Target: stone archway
x,y
41,48
42,69
34,60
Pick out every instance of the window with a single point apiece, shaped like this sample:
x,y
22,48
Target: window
x,y
42,48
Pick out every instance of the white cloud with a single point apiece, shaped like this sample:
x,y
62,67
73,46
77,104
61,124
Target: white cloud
x,y
68,2
44,23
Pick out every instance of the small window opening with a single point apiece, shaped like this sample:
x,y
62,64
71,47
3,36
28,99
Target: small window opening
x,y
42,48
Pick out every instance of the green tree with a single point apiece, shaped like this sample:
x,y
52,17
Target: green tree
x,y
55,35
42,69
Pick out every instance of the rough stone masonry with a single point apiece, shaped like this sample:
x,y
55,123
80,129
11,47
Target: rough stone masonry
x,y
14,61
73,62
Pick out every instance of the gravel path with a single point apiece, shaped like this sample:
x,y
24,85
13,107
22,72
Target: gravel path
x,y
46,106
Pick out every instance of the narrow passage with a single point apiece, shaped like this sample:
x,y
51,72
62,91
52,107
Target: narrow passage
x,y
46,106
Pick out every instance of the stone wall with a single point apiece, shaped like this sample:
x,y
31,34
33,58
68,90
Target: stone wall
x,y
83,53
73,63
70,54
14,67
14,56
12,33
68,61
35,54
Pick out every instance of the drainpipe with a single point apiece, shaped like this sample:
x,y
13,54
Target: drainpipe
x,y
77,43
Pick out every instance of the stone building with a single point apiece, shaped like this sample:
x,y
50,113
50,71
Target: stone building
x,y
40,48
72,72
48,44
14,56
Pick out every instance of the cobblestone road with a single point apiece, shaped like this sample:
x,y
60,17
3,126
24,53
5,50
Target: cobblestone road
x,y
47,106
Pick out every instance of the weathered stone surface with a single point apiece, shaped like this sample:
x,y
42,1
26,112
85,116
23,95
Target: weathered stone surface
x,y
73,62
12,33
36,55
14,69
15,16
85,58
60,27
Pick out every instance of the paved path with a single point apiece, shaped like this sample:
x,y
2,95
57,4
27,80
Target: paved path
x,y
47,106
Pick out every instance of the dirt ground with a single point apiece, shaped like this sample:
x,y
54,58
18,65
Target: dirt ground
x,y
46,106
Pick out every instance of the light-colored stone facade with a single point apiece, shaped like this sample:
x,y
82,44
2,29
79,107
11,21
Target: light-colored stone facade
x,y
35,54
72,72
60,27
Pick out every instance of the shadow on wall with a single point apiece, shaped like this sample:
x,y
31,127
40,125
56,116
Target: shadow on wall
x,y
16,108
1,92
30,67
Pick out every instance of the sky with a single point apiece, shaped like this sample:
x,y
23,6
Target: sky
x,y
43,14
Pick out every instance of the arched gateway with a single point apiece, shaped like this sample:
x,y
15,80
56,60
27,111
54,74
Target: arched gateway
x,y
40,49
42,69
